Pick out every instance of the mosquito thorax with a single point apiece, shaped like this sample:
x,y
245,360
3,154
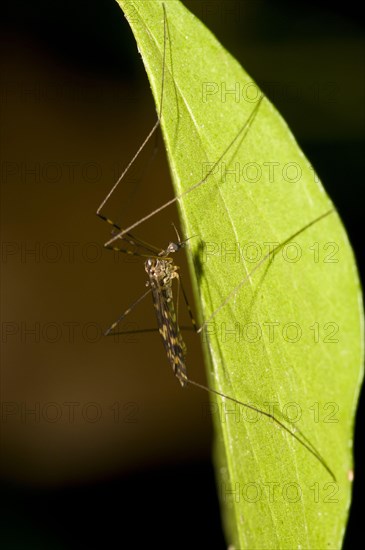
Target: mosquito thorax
x,y
149,263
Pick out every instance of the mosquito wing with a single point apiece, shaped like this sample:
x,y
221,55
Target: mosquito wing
x,y
169,328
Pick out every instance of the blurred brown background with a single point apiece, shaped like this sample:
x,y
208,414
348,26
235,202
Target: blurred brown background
x,y
97,437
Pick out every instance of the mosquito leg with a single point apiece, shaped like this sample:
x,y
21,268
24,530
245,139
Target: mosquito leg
x,y
144,330
130,252
129,238
271,253
156,125
193,322
146,140
241,134
134,331
177,297
126,312
126,251
301,438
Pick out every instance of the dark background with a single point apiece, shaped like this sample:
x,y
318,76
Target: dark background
x,y
75,105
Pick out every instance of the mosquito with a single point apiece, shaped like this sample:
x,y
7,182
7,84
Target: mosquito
x,y
162,272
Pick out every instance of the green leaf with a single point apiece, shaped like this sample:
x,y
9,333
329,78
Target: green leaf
x,y
292,334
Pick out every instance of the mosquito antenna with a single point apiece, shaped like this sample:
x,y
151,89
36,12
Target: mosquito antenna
x,y
304,441
242,133
177,233
270,253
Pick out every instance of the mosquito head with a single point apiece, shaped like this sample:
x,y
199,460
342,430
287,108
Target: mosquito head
x,y
174,247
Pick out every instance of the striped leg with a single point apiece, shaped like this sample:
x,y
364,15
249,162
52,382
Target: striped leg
x,y
126,312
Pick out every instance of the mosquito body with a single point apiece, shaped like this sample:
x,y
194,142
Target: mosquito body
x,y
161,273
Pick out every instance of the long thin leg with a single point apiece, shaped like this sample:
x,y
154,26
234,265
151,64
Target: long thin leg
x,y
129,238
144,330
193,322
132,253
241,134
177,298
127,311
150,134
156,125
164,254
302,439
266,257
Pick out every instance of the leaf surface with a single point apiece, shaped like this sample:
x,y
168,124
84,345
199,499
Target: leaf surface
x,y
290,339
